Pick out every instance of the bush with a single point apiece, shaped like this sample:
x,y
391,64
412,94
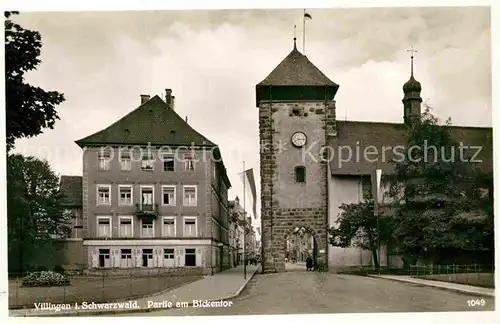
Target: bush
x,y
45,279
59,269
321,267
35,268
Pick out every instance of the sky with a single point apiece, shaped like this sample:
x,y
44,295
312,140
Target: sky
x,y
212,60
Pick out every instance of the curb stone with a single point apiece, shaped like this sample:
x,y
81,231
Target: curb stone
x,y
140,310
421,284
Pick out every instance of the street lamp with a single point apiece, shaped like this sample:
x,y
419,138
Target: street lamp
x,y
376,177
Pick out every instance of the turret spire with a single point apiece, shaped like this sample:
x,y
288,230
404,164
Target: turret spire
x,y
412,90
412,85
412,51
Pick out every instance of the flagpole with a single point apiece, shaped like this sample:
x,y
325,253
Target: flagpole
x,y
304,33
245,227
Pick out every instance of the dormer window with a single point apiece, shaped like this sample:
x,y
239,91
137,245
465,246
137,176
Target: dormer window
x,y
300,174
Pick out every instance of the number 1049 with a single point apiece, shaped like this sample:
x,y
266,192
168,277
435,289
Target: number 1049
x,y
476,302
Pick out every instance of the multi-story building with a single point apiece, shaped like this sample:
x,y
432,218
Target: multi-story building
x,y
300,245
258,243
69,251
234,234
154,193
71,200
250,239
242,224
306,246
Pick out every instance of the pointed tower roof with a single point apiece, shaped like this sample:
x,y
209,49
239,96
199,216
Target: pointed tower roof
x,y
297,70
152,122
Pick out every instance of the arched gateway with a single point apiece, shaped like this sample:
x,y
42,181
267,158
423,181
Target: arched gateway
x,y
301,243
296,116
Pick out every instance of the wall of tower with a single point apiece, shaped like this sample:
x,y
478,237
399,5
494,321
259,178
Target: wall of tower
x,y
287,204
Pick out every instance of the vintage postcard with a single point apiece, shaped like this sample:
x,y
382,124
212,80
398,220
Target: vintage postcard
x,y
249,161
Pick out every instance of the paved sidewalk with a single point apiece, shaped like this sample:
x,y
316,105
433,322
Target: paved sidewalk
x,y
473,290
221,286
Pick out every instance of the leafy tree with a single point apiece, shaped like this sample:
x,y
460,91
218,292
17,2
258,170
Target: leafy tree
x,y
439,195
34,211
357,226
29,109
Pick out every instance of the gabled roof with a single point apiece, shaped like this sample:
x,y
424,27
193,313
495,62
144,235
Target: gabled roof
x,y
297,70
385,137
71,190
153,122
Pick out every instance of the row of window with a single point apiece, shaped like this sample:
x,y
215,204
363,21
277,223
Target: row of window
x,y
147,161
147,228
147,197
126,260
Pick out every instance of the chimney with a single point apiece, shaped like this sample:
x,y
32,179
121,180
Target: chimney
x,y
172,106
144,98
168,97
186,119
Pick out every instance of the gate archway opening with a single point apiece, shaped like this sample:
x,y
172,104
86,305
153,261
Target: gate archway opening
x,y
300,243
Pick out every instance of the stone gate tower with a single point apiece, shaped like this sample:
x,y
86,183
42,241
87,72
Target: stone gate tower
x,y
296,118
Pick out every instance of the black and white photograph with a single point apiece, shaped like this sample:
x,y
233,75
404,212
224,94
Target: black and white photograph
x,y
300,160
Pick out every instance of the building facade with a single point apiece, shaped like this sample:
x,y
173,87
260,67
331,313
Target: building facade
x,y
299,246
154,194
250,240
233,237
244,233
236,230
305,184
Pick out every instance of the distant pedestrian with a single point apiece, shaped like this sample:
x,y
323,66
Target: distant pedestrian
x,y
286,260
309,263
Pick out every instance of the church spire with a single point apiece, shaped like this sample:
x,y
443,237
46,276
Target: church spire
x,y
412,89
412,85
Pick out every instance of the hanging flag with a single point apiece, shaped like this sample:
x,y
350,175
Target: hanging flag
x,y
247,177
307,16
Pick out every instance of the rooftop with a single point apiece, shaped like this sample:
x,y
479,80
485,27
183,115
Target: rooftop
x,y
297,70
153,122
385,137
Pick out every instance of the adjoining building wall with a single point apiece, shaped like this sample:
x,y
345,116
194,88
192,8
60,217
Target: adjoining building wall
x,y
70,254
348,190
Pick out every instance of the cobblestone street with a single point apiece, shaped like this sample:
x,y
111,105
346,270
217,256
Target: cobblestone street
x,y
301,292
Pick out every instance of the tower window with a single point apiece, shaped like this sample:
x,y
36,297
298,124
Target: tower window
x,y
300,174
407,110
